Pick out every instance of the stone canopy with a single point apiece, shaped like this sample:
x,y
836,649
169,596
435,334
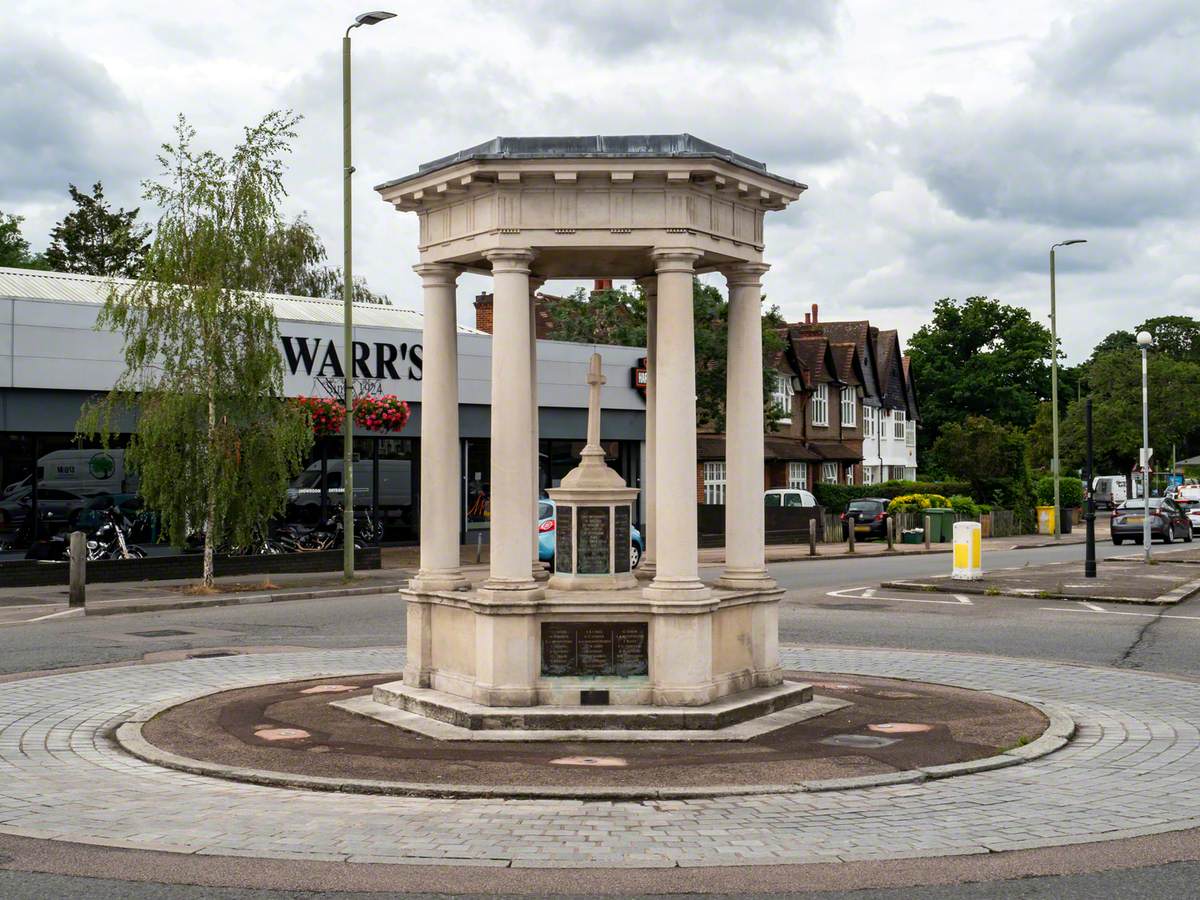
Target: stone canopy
x,y
593,206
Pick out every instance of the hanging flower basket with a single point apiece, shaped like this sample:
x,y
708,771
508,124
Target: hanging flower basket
x,y
327,414
383,413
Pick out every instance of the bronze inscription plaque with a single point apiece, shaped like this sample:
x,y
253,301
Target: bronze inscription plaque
x,y
593,541
595,648
562,539
621,539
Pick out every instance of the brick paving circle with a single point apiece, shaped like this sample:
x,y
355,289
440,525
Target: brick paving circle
x,y
1132,769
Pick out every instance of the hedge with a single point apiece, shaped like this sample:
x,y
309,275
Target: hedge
x,y
837,496
1070,491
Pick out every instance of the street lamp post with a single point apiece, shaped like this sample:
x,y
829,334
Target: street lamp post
x,y
1054,382
1144,341
371,18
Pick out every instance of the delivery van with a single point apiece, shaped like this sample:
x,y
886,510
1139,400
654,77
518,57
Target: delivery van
x,y
395,487
1109,491
83,472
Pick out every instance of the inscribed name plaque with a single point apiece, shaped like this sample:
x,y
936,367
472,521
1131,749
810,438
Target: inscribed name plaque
x,y
593,541
621,539
562,539
595,648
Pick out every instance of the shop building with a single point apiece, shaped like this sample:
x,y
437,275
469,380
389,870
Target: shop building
x,y
52,360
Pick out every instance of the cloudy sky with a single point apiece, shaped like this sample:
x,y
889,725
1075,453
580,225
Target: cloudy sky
x,y
946,145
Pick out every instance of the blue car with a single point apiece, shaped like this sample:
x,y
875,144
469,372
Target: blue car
x,y
546,537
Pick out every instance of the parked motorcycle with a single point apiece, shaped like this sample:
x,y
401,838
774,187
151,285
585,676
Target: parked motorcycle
x,y
108,540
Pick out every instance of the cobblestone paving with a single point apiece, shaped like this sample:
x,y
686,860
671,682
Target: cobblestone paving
x,y
1133,768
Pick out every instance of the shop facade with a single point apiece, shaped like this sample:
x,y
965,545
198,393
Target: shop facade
x,y
52,360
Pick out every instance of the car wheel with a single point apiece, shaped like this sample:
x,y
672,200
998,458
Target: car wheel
x,y
635,556
1118,541
1168,535
1187,535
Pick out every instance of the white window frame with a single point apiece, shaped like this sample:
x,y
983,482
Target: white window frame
x,y
849,401
714,482
829,473
820,405
910,433
850,474
870,416
797,476
781,396
898,425
868,475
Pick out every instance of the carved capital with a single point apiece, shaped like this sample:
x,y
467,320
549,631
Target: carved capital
x,y
745,274
510,260
437,274
675,259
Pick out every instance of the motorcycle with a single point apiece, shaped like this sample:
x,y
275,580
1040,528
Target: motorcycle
x,y
108,541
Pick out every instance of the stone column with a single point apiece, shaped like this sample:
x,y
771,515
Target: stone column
x,y
512,427
539,568
440,452
677,569
648,568
745,531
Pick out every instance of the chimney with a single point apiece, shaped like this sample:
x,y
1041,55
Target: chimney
x,y
808,318
483,312
814,314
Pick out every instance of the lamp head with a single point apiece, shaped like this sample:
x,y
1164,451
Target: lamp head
x,y
374,18
1144,339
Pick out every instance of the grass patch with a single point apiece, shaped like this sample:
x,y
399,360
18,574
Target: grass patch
x,y
240,587
1021,742
992,592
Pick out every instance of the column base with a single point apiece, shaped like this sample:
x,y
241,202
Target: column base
x,y
676,589
647,570
746,579
512,589
540,572
429,580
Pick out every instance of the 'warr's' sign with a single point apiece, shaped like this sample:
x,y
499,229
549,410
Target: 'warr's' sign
x,y
376,363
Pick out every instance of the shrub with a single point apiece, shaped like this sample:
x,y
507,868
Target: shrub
x,y
837,496
964,505
1070,491
908,503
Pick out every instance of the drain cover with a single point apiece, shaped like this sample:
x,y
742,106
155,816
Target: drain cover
x,y
860,741
281,734
588,761
162,632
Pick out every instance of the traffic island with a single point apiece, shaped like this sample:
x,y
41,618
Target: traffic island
x,y
859,732
1171,578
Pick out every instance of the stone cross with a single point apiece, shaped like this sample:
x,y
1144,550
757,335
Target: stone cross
x,y
595,379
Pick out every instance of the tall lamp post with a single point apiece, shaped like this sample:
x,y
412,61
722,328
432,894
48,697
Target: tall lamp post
x,y
1054,380
370,18
1144,341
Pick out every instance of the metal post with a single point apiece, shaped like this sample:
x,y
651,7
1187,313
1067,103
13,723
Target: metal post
x,y
33,496
812,536
348,330
927,532
1054,397
1145,461
1089,560
78,589
891,533
378,536
850,535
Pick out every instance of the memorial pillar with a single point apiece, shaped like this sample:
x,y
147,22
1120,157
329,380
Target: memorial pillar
x,y
512,427
745,531
677,571
648,567
440,453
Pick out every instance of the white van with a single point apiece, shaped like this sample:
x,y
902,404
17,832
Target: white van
x,y
83,472
788,497
1109,491
395,485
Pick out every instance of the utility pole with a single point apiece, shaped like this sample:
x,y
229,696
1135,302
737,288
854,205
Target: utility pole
x,y
1089,560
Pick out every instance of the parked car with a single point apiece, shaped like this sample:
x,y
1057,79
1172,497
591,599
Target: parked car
x,y
56,508
1168,521
1109,491
546,535
788,497
1191,509
868,515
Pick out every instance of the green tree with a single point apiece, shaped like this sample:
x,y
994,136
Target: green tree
x,y
216,443
1175,336
14,249
618,317
979,357
93,239
295,264
989,456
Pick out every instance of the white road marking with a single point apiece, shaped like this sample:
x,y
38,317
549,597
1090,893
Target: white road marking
x,y
65,612
1117,612
869,594
1093,606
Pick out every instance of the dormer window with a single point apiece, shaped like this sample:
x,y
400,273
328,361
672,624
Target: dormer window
x,y
820,405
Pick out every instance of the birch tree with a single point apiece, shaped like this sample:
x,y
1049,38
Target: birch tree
x,y
216,442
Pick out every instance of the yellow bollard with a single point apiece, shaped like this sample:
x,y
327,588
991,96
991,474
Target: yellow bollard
x,y
968,551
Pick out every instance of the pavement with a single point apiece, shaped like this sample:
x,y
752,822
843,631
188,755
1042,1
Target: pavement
x,y
1172,576
1134,733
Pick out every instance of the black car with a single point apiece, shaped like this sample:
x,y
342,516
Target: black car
x,y
868,516
1168,521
